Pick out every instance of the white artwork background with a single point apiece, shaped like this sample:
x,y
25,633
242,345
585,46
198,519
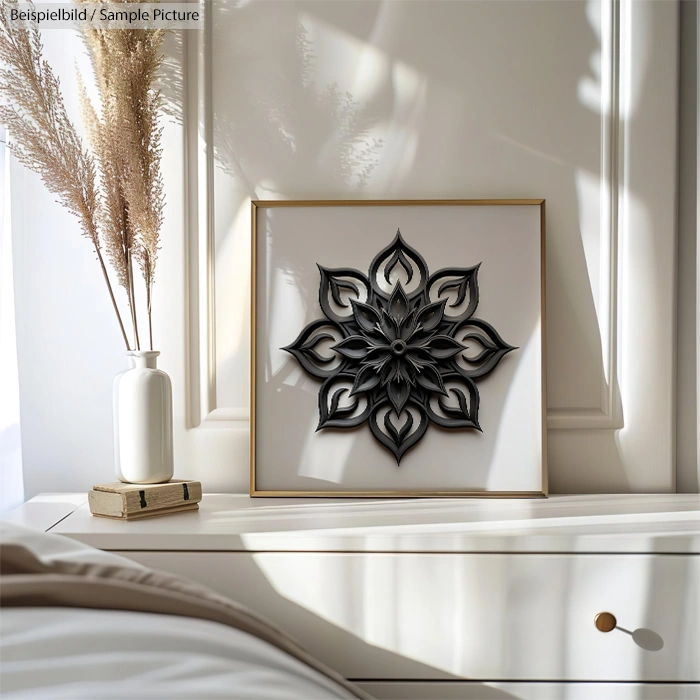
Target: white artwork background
x,y
291,455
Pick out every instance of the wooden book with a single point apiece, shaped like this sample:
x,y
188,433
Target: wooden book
x,y
132,501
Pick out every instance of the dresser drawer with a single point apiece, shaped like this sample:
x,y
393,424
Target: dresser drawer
x,y
526,617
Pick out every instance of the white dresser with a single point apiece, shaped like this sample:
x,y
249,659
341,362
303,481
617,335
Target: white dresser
x,y
446,598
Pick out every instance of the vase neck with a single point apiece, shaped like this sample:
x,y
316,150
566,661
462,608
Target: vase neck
x,y
144,359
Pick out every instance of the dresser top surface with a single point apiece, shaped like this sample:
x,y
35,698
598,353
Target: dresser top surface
x,y
235,522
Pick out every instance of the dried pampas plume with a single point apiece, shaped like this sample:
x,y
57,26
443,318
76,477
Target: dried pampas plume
x,y
117,189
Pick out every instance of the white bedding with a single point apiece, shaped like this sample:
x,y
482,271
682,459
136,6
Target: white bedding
x,y
88,654
54,653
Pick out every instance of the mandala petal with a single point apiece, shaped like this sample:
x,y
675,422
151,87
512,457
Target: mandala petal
x,y
398,441
400,434
388,326
398,253
398,306
331,413
398,392
366,380
355,347
463,280
404,371
441,347
408,326
388,372
492,348
430,316
377,356
419,358
366,316
305,350
429,378
333,283
462,411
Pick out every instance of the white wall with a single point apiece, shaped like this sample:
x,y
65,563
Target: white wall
x,y
384,100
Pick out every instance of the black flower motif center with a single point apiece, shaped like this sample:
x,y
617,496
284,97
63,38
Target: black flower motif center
x,y
398,347
409,360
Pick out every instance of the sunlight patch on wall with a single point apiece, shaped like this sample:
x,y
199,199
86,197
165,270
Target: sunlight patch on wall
x,y
370,73
233,255
591,91
366,66
636,39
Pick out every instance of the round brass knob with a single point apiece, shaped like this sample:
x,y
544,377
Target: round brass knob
x,y
605,622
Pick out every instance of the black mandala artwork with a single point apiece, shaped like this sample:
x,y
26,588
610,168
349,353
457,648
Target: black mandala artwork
x,y
399,348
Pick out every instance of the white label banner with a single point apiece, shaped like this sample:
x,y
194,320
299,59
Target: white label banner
x,y
102,15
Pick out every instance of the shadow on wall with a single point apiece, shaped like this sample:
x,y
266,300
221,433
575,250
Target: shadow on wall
x,y
276,125
272,120
389,99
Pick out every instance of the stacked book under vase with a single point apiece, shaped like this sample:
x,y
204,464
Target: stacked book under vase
x,y
121,501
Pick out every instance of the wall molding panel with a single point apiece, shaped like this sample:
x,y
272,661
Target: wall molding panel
x,y
633,447
200,267
612,155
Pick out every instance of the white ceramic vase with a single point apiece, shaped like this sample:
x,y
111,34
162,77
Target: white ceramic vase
x,y
143,421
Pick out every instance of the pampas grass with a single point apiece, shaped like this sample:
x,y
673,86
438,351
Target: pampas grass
x,y
115,188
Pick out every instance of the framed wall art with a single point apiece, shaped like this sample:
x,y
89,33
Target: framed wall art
x,y
398,348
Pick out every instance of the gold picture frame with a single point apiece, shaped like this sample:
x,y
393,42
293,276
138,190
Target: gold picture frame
x,y
256,205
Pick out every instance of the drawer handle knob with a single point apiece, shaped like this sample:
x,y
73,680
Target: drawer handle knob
x,y
605,622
